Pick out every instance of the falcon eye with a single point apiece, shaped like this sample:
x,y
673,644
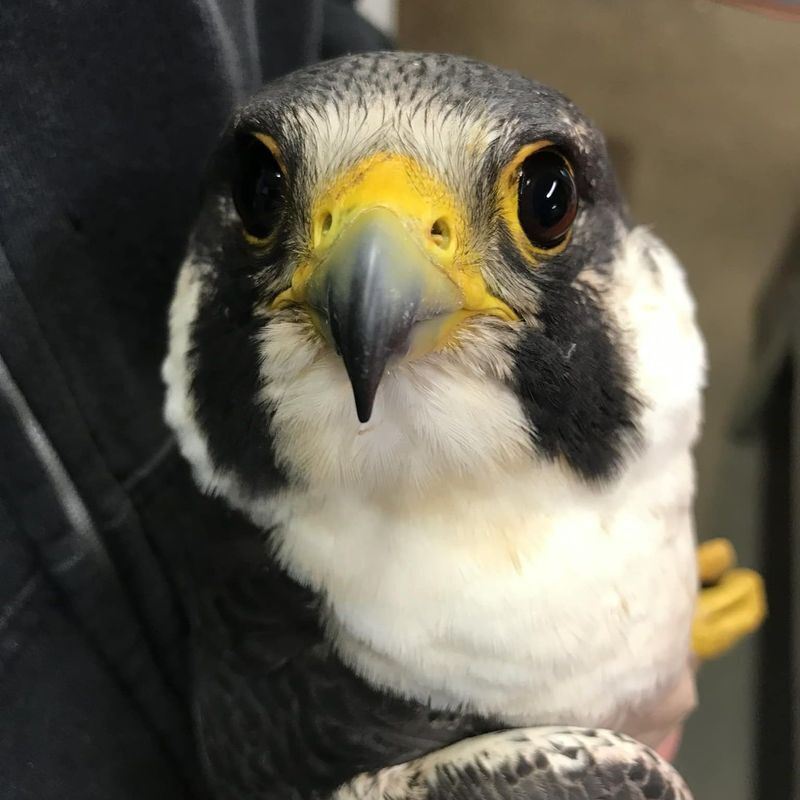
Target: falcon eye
x,y
257,187
547,199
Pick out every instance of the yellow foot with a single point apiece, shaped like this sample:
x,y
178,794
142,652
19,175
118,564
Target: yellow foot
x,y
731,604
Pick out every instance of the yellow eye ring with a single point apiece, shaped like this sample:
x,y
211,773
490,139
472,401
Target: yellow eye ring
x,y
539,200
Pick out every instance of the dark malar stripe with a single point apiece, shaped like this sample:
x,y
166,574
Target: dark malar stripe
x,y
226,381
574,384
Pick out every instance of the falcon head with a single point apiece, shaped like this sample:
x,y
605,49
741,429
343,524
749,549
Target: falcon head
x,y
413,270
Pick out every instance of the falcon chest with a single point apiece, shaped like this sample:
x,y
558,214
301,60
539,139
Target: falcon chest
x,y
536,601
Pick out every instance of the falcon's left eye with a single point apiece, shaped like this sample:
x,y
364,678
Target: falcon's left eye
x,y
547,199
258,186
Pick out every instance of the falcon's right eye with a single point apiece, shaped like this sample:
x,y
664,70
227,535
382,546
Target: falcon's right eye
x,y
258,185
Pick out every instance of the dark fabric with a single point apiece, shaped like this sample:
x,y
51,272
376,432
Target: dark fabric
x,y
108,112
344,32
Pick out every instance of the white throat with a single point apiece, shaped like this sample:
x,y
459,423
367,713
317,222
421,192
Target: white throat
x,y
535,599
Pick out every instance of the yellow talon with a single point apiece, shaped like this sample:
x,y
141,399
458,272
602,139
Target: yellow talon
x,y
714,558
734,607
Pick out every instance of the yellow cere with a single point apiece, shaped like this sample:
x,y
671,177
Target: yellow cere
x,y
425,207
508,189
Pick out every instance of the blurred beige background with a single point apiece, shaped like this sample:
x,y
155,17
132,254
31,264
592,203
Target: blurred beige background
x,y
701,104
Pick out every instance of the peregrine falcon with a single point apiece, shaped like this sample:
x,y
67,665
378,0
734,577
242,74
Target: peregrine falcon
x,y
419,342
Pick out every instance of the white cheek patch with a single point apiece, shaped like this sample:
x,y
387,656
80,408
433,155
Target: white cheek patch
x,y
179,405
176,373
656,312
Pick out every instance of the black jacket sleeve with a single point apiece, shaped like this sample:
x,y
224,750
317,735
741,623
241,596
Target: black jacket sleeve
x,y
109,112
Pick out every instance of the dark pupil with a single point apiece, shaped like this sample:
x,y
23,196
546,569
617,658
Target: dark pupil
x,y
258,188
550,197
267,188
547,198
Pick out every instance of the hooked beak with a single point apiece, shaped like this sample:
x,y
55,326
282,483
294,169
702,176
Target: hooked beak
x,y
391,274
377,296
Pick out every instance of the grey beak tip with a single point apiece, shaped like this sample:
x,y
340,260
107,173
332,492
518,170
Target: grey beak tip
x,y
364,391
364,411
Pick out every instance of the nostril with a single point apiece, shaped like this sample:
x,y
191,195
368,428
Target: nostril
x,y
440,233
322,227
